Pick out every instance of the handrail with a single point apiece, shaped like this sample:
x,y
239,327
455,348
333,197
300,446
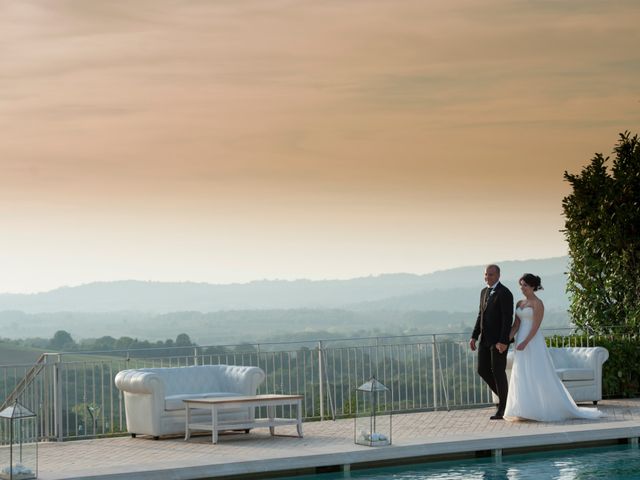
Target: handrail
x,y
25,381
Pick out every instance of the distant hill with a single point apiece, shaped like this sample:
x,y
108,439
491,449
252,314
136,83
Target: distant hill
x,y
398,304
466,299
454,290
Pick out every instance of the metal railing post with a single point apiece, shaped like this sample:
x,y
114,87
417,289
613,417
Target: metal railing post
x,y
195,356
57,398
434,373
45,401
321,380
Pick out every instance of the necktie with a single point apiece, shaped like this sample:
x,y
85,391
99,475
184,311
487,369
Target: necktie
x,y
487,296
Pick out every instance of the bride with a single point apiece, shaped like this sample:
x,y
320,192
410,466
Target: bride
x,y
535,391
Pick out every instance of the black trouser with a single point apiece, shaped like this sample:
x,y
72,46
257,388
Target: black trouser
x,y
492,367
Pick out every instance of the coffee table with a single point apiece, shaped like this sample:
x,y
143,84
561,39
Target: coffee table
x,y
217,404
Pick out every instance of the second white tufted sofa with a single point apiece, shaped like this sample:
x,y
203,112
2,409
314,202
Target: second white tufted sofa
x,y
579,369
153,396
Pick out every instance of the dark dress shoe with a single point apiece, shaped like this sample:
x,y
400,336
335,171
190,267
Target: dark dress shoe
x,y
497,416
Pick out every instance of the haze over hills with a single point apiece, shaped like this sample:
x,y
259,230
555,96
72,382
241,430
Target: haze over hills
x,y
398,304
447,290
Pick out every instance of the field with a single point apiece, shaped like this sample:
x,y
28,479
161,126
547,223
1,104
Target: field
x,y
17,355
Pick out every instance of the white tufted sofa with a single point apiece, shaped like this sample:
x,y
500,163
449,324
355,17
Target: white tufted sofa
x,y
579,368
153,396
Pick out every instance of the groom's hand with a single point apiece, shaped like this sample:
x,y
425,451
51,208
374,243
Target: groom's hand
x,y
472,344
501,347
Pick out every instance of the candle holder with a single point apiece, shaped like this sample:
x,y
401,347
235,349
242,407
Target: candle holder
x,y
372,422
19,440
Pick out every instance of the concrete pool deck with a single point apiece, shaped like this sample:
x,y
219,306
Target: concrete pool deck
x,y
327,446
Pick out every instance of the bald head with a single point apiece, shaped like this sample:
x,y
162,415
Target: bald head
x,y
491,275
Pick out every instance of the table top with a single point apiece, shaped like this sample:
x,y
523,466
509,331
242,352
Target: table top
x,y
243,399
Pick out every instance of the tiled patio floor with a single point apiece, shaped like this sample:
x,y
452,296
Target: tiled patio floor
x,y
325,443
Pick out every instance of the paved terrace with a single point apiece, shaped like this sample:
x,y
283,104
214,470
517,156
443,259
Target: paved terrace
x,y
328,444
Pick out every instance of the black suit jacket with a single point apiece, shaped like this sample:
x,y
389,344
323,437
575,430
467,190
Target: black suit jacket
x,y
494,321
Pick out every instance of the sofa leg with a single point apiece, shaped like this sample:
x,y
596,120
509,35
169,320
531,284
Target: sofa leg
x,y
247,430
133,435
595,402
156,438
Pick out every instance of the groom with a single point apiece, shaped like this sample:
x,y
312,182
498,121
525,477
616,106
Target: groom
x,y
493,326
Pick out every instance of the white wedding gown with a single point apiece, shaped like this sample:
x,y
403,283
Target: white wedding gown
x,y
535,391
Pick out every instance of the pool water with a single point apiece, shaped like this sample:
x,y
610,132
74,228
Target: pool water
x,y
611,463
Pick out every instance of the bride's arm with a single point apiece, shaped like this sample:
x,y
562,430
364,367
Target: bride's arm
x,y
515,327
538,313
516,323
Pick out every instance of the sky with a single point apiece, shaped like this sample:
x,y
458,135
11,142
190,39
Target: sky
x,y
227,141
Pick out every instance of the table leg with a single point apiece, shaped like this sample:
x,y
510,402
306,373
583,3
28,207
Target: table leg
x,y
214,424
299,417
187,420
271,414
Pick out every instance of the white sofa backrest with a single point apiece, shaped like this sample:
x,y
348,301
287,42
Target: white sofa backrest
x,y
195,379
191,380
578,357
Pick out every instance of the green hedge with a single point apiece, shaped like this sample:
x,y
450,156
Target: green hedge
x,y
621,372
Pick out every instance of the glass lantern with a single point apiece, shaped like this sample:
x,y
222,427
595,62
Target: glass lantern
x,y
19,443
372,423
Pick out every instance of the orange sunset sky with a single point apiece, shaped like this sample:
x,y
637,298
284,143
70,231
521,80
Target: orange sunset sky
x,y
229,140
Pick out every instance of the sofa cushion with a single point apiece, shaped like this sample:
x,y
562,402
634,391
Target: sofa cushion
x,y
575,373
175,402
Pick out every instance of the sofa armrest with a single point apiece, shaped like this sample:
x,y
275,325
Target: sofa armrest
x,y
595,357
137,381
592,358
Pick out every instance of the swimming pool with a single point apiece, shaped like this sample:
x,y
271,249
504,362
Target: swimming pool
x,y
620,462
